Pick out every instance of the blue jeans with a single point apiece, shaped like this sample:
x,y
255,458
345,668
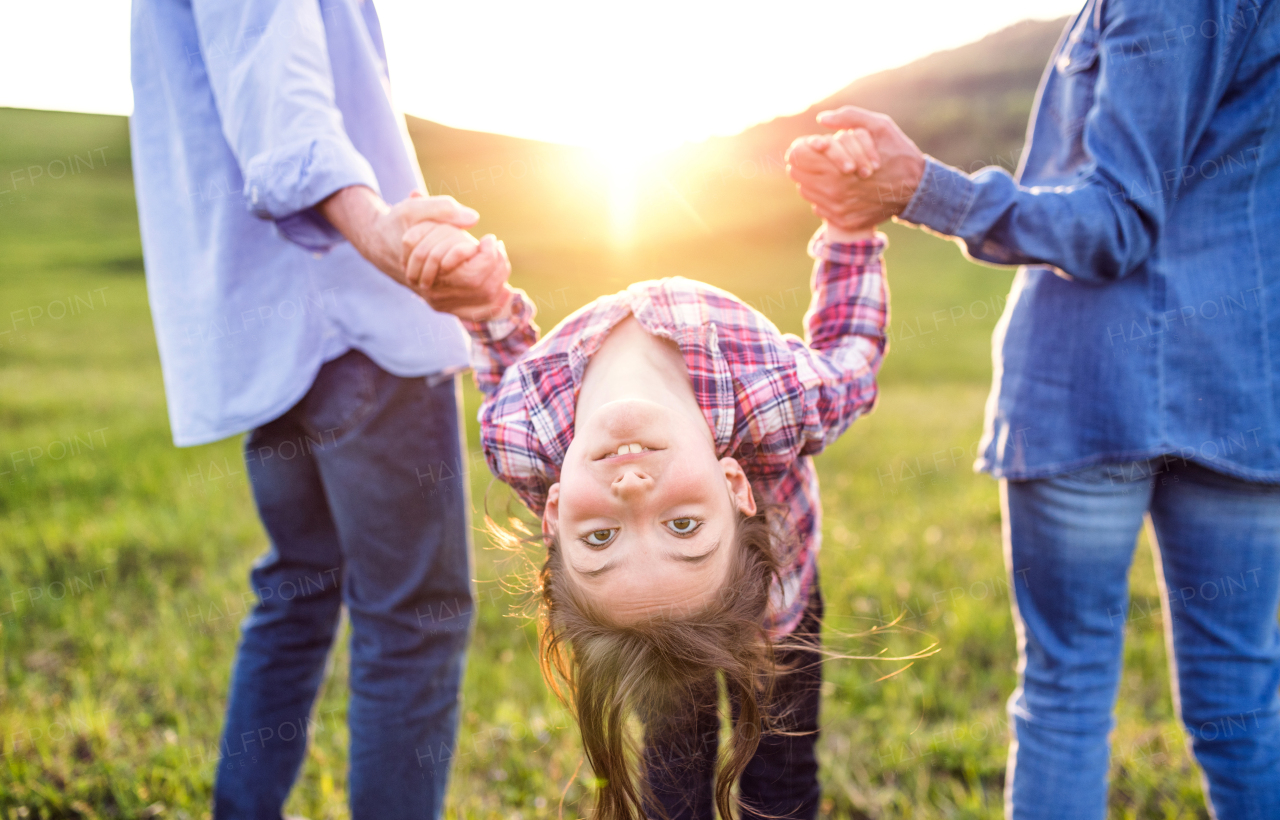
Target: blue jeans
x,y
1069,543
362,492
781,779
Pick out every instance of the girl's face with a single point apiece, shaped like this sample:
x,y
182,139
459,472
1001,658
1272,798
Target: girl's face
x,y
644,512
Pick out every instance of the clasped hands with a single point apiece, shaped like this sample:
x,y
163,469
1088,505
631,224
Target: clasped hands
x,y
863,174
455,272
421,242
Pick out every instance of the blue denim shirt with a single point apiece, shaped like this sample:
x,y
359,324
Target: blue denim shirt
x,y
247,114
1146,214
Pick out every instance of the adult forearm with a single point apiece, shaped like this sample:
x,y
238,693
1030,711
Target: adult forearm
x,y
1087,230
355,211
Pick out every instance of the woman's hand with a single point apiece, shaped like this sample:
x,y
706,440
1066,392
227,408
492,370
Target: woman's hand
x,y
850,199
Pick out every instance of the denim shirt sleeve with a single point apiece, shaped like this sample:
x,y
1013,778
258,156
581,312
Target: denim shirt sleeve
x,y
268,65
1139,130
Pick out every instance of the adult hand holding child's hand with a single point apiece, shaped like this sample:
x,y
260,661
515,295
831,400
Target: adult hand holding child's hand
x,y
860,176
377,229
457,274
420,242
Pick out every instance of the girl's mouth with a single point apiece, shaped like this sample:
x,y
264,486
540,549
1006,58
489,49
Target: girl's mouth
x,y
630,448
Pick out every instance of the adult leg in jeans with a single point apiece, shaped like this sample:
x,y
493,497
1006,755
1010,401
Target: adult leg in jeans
x,y
1069,541
388,458
285,640
397,488
1219,549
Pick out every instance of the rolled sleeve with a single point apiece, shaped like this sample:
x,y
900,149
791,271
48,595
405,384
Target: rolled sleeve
x,y
272,79
285,185
942,199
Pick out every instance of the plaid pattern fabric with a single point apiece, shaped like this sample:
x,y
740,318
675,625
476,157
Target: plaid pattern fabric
x,y
770,399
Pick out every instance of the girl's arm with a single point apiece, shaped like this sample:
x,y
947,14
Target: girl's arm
x,y
845,333
499,342
511,445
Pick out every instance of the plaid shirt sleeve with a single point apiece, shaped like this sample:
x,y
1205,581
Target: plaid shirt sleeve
x,y
511,446
845,329
498,343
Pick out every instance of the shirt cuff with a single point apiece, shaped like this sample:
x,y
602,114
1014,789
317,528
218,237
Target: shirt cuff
x,y
519,313
285,185
847,253
942,200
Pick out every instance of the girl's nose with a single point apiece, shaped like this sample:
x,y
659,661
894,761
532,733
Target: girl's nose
x,y
631,483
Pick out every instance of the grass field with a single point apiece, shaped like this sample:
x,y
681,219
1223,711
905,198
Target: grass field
x,y
123,560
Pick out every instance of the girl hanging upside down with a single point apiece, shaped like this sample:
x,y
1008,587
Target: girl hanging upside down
x,y
664,436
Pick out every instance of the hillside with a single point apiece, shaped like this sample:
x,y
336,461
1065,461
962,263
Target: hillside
x,y
967,106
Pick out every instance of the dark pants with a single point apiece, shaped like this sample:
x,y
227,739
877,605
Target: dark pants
x,y
781,780
362,492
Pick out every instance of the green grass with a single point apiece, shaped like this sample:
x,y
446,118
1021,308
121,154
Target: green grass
x,y
123,560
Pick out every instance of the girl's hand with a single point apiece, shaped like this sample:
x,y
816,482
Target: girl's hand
x,y
848,199
851,150
476,288
433,248
845,158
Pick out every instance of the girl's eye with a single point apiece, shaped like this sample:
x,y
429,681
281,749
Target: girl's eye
x,y
684,526
599,538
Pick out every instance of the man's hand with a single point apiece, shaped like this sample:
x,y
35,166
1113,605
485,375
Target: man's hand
x,y
377,230
459,275
850,199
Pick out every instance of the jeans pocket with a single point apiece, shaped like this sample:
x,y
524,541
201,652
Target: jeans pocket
x,y
344,394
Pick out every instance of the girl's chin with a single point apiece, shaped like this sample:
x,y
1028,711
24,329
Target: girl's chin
x,y
634,420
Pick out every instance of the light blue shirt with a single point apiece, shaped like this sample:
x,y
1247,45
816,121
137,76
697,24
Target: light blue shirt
x,y
1146,321
247,114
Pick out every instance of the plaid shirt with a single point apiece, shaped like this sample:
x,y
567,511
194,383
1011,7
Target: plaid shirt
x,y
771,400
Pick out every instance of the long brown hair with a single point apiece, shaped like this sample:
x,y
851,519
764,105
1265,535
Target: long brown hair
x,y
609,673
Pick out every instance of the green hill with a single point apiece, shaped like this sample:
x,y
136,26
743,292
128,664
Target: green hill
x,y
967,105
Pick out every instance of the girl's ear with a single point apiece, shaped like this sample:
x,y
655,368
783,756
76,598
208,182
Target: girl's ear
x,y
739,487
551,513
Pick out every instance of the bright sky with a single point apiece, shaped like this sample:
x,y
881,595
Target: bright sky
x,y
655,73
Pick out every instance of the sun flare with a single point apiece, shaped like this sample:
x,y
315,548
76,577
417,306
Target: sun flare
x,y
624,167
623,175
